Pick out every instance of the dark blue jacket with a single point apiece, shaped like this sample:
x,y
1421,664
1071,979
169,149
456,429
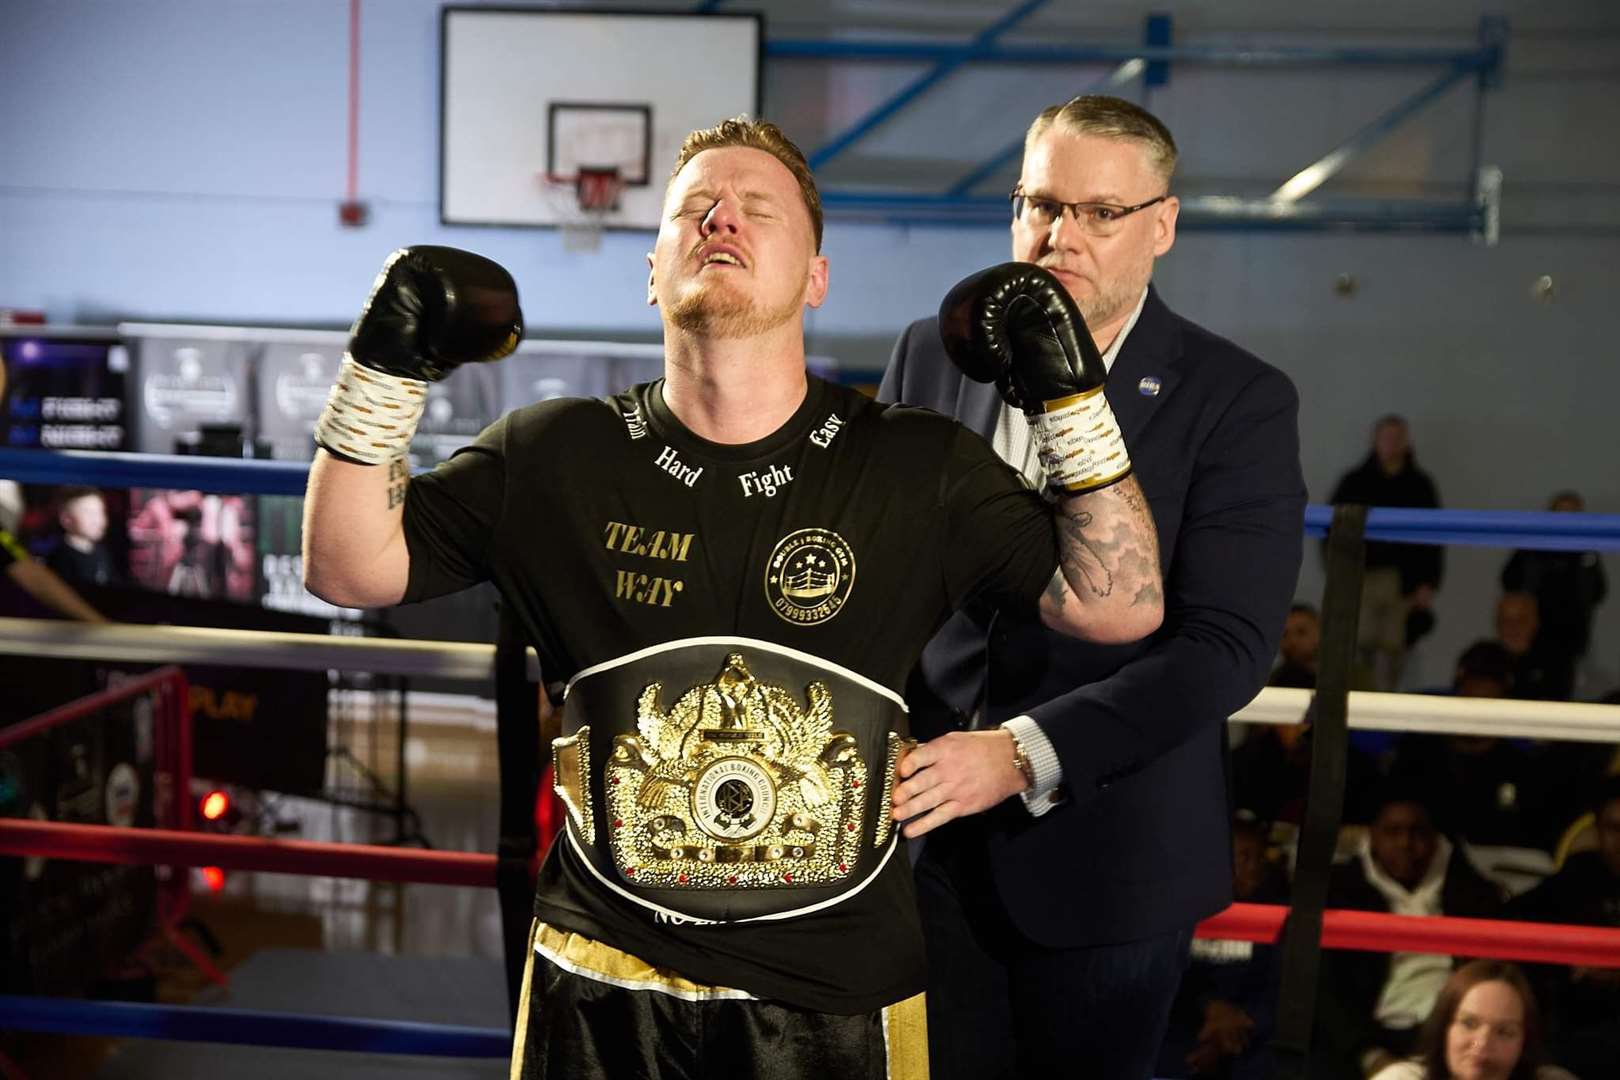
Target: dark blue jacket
x,y
1141,846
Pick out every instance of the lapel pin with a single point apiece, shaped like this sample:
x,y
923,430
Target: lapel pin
x,y
1149,386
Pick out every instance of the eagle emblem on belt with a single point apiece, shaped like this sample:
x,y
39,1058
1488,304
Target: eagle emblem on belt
x,y
738,784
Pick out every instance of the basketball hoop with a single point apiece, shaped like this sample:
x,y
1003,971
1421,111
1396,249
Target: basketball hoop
x,y
585,200
599,189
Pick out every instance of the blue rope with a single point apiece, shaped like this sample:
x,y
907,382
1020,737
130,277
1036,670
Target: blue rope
x,y
1541,530
68,1016
102,469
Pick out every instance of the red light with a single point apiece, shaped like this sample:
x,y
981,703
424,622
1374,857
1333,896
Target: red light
x,y
214,805
214,877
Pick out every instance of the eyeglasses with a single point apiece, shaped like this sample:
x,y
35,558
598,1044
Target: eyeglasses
x,y
1097,219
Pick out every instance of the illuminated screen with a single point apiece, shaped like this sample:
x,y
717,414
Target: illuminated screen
x,y
64,393
187,543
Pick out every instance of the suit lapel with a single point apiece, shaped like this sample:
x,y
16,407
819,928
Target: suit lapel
x,y
1151,352
978,406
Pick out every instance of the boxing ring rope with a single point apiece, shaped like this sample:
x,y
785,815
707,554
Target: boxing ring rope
x,y
1441,714
66,1016
118,844
1486,528
1380,931
134,643
1373,931
1262,923
1428,713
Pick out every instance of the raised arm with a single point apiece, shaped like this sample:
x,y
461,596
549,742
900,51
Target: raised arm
x,y
1016,326
431,310
354,542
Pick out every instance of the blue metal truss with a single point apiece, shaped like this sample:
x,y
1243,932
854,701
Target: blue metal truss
x,y
917,87
1152,62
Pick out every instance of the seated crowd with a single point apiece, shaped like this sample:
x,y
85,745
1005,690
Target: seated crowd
x,y
1461,825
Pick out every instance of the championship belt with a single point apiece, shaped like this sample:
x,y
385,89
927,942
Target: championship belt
x,y
729,779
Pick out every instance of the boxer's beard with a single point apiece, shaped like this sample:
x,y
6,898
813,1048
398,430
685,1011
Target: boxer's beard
x,y
718,310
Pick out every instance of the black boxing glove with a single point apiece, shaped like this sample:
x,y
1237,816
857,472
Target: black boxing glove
x,y
1016,325
431,310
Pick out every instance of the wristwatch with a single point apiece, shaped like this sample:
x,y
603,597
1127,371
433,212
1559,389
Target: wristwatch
x,y
1021,760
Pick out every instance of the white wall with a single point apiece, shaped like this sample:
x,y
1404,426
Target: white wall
x,y
184,159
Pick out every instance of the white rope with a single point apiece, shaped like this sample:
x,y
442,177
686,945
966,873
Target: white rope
x,y
339,339
1445,715
249,648
1433,713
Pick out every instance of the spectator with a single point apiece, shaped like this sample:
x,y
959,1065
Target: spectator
x,y
1485,1026
1568,587
1271,771
1398,591
1584,1001
1481,788
1224,1013
1575,773
81,557
1301,643
1369,1005
1540,671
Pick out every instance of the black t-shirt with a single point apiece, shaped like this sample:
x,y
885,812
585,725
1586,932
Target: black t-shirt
x,y
609,527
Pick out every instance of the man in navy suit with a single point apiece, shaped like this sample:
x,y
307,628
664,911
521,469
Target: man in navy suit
x,y
1058,922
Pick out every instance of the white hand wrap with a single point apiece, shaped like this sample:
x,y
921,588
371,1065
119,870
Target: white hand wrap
x,y
370,416
1081,447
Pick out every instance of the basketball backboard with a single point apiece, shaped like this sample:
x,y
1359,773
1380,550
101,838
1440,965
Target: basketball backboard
x,y
529,98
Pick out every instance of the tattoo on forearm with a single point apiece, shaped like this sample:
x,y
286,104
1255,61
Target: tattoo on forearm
x,y
399,474
1107,540
1084,558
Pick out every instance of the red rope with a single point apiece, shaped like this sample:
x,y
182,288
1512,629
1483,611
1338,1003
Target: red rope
x,y
1377,931
86,705
1587,946
105,843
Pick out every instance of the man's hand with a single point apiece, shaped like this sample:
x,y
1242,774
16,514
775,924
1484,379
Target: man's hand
x,y
955,775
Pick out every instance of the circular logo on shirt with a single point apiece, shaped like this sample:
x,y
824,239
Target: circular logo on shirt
x,y
733,799
809,576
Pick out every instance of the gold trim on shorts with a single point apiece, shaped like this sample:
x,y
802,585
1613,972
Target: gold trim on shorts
x,y
591,959
905,1034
